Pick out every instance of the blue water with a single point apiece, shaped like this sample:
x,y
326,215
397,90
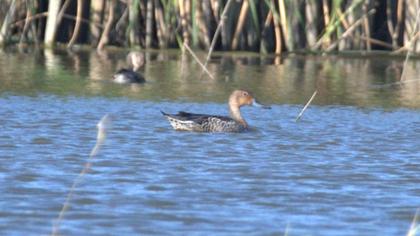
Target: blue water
x,y
339,171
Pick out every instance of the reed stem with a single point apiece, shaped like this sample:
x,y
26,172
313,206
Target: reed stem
x,y
77,24
198,60
216,34
411,43
306,106
102,126
105,34
241,21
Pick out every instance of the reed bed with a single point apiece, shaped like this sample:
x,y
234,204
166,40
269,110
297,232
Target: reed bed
x,y
266,26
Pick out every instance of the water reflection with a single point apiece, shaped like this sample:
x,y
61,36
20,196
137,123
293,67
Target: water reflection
x,y
171,75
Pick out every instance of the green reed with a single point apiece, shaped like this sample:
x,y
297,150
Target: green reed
x,y
271,26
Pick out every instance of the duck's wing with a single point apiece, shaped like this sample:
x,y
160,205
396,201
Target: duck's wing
x,y
202,122
197,118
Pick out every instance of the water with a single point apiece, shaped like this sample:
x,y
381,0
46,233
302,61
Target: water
x,y
351,166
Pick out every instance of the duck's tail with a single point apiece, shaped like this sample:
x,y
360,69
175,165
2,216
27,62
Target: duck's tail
x,y
164,113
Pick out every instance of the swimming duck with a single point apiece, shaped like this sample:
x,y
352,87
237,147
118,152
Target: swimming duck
x,y
186,121
127,76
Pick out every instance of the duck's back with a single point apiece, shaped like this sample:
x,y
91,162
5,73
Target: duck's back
x,y
203,123
126,76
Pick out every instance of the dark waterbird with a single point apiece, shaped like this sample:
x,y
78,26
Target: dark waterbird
x,y
186,121
130,75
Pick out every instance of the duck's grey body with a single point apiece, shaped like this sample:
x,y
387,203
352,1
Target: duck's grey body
x,y
203,123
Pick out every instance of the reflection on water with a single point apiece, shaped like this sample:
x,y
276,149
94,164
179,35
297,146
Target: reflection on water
x,y
339,80
350,167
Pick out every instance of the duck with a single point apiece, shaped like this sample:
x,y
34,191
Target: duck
x,y
185,121
130,75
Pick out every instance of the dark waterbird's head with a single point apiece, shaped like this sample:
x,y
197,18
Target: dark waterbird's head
x,y
135,60
240,98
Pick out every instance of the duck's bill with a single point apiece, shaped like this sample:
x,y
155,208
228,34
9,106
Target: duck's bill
x,y
257,104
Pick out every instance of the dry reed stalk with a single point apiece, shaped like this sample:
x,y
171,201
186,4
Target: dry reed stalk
x,y
4,31
105,34
277,32
214,4
375,41
27,21
45,14
61,13
283,21
188,17
31,18
414,37
241,21
77,24
149,23
202,26
268,21
102,126
198,60
411,43
133,18
394,30
366,27
390,24
400,15
184,22
82,20
34,31
326,13
267,24
120,23
342,18
410,13
51,25
96,16
306,106
216,33
400,12
350,30
333,25
160,25
406,47
311,21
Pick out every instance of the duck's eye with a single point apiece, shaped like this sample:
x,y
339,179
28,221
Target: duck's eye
x,y
244,94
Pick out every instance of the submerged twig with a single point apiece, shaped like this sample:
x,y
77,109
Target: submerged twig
x,y
198,60
102,128
306,106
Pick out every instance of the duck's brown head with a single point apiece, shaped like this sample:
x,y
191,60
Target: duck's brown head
x,y
240,98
